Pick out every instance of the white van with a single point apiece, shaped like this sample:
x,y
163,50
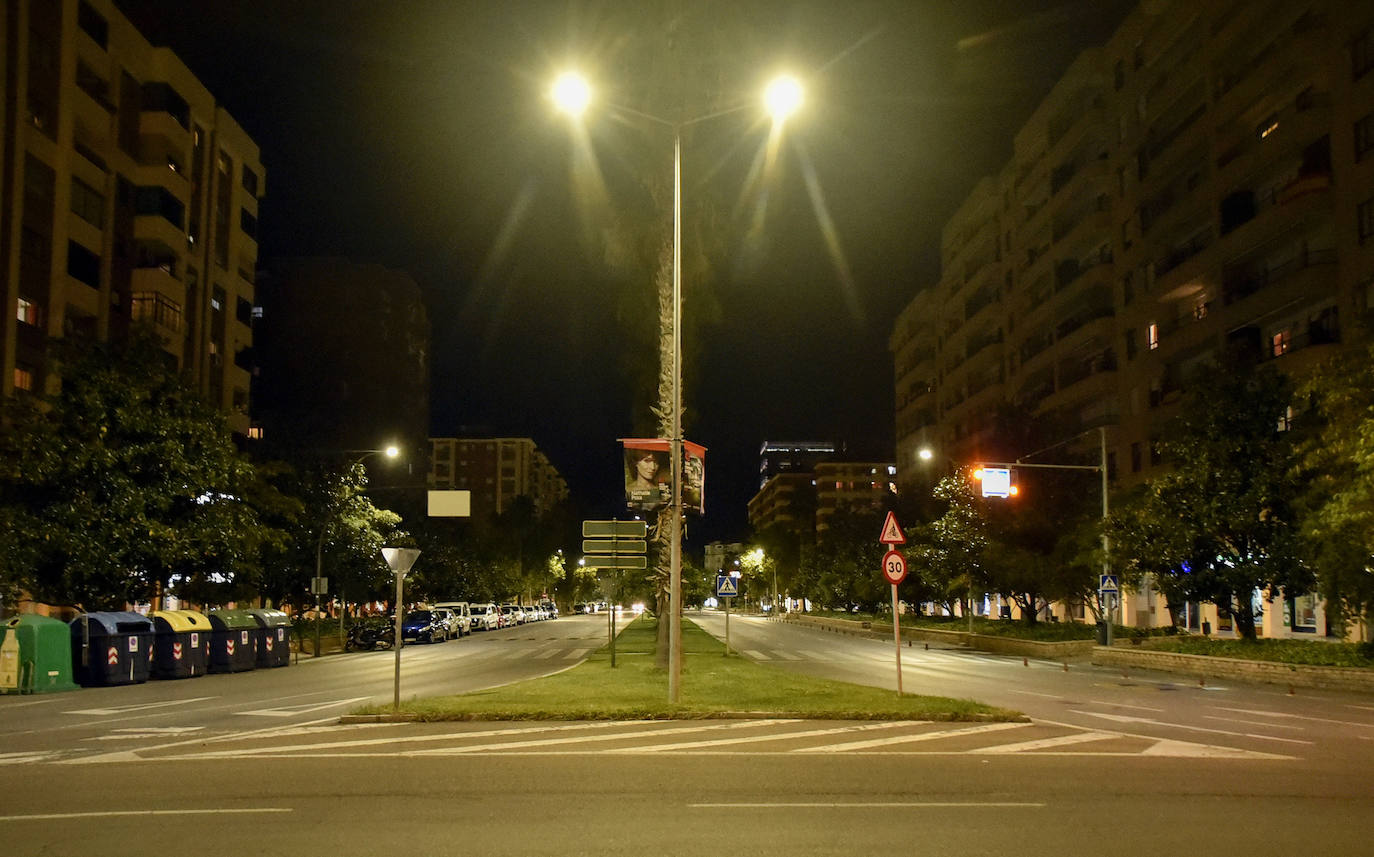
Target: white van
x,y
484,616
463,616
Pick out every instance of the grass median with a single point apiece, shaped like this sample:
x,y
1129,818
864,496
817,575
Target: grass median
x,y
712,686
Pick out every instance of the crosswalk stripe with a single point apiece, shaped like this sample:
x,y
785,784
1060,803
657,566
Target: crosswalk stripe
x,y
749,739
1060,741
576,654
756,655
583,739
910,738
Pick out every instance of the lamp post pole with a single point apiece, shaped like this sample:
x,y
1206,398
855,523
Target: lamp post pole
x,y
675,556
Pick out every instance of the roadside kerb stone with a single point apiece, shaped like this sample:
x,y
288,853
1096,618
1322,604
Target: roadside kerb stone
x,y
1065,650
1210,666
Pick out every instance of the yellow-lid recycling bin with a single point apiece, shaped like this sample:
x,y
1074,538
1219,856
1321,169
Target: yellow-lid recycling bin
x,y
181,647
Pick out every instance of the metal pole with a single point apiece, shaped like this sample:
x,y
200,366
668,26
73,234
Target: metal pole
x,y
1108,607
396,699
317,620
897,637
675,566
727,625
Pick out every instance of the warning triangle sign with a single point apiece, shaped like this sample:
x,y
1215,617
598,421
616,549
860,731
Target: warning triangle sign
x,y
725,585
892,533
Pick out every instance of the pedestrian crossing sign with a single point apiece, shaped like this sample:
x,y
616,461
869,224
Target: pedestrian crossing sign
x,y
726,585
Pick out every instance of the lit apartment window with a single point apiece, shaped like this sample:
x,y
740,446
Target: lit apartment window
x,y
1286,419
1200,310
29,312
255,432
1152,335
23,378
1267,127
1281,342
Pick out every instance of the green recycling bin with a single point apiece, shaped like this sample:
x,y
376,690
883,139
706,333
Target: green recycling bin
x,y
35,655
234,638
274,649
111,648
181,647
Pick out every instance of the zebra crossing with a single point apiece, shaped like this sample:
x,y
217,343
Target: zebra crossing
x,y
764,736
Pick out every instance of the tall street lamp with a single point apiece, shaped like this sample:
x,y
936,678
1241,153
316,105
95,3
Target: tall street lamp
x,y
389,452
572,94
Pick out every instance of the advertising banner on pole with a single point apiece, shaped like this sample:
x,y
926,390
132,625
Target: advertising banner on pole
x,y
649,474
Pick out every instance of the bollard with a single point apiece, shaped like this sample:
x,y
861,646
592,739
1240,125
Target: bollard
x,y
927,647
1025,662
1066,667
1291,692
1202,682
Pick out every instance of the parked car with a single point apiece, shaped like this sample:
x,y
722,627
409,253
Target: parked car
x,y
462,617
426,626
485,616
581,607
512,615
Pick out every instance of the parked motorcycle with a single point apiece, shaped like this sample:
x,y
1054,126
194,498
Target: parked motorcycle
x,y
365,636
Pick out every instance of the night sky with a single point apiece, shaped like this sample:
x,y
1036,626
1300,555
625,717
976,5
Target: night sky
x,y
416,134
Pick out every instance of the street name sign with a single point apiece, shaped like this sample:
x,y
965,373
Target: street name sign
x,y
614,546
614,529
615,561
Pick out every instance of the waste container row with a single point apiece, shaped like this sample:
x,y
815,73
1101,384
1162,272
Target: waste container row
x,y
39,654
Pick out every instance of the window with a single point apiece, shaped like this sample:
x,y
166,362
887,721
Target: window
x,y
1135,456
160,97
23,378
243,310
1119,75
1362,54
248,223
250,181
88,203
92,23
1131,345
1364,217
217,299
159,309
83,265
159,201
1364,136
1281,342
1286,419
1152,335
29,312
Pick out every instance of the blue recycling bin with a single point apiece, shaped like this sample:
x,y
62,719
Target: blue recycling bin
x,y
111,648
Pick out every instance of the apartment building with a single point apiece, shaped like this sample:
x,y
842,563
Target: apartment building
x,y
1203,181
496,470
794,456
856,484
127,194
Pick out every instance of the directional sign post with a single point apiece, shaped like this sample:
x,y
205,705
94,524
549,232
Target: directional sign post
x,y
614,545
894,571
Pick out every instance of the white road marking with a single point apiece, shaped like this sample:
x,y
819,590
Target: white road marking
x,y
756,654
749,739
1361,707
126,709
544,742
1044,743
869,805
292,710
784,655
1263,723
1262,713
545,654
143,812
1174,747
144,732
1124,705
576,654
907,739
1033,693
1123,718
23,758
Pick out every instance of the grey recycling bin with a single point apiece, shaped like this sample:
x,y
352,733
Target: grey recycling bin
x,y
111,648
274,650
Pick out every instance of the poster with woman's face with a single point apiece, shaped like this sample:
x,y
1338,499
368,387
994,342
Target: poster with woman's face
x,y
648,479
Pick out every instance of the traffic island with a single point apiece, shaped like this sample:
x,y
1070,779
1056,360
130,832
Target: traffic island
x,y
713,686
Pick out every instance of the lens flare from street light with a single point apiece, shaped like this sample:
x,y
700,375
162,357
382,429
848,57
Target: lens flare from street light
x,y
392,452
571,93
925,454
783,96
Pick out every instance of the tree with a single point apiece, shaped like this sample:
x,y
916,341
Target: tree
x,y
1220,525
954,558
1336,465
123,483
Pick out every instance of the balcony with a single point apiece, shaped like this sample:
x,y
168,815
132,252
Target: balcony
x,y
1158,142
157,279
1182,253
1069,270
1080,319
1241,281
158,229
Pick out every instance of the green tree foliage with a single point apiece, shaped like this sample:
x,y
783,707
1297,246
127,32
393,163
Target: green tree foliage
x,y
955,557
1337,469
844,567
1220,524
123,482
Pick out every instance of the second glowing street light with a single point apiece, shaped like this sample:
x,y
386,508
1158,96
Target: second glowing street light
x,y
572,94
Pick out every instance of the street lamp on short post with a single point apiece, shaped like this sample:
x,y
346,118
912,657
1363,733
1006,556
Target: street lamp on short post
x,y
390,452
572,94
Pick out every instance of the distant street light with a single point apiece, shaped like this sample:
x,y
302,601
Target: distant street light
x,y
390,452
571,94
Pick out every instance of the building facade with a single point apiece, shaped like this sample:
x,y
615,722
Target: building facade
x,y
794,456
1204,181
855,484
127,195
496,470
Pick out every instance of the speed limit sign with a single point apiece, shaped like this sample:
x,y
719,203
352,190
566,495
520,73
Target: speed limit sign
x,y
894,567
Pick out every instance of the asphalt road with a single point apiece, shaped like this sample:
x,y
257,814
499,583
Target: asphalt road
x,y
1198,771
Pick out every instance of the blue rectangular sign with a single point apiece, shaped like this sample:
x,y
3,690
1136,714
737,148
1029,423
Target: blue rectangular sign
x,y
726,586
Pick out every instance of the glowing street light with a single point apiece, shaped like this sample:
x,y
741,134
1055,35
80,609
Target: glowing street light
x,y
571,94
